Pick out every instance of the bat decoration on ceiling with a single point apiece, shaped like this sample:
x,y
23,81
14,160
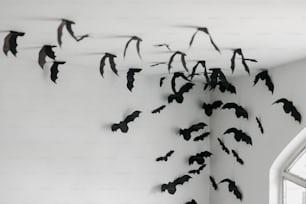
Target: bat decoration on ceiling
x,y
218,78
289,108
239,110
243,60
201,137
192,202
193,128
112,64
264,75
123,125
197,171
165,158
10,42
259,125
45,51
163,45
183,60
194,69
130,77
239,135
157,110
238,158
199,158
171,186
178,96
232,187
213,183
161,81
54,70
224,148
209,107
138,41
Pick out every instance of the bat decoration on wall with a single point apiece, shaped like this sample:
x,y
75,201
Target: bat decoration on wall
x,y
112,64
259,125
163,45
289,108
209,107
161,81
138,41
224,148
264,75
171,186
239,110
199,158
232,187
213,183
45,51
186,133
201,137
130,77
238,158
54,70
239,135
178,96
197,171
192,202
183,60
194,69
243,60
157,110
165,158
123,125
10,42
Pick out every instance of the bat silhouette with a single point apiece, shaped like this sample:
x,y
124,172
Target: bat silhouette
x,y
218,78
264,75
183,60
238,158
163,45
239,135
123,125
130,77
165,158
232,187
171,186
208,108
224,148
213,183
111,60
138,41
10,42
239,110
289,108
157,110
45,51
175,76
199,158
205,30
260,125
178,96
193,128
192,202
201,137
197,171
54,70
194,68
226,86
243,60
161,81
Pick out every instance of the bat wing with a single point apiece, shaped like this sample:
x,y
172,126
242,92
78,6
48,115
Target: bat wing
x,y
169,153
115,127
205,154
233,61
194,69
181,180
6,44
42,57
186,88
138,48
197,127
213,43
70,31
227,180
192,38
236,155
202,136
54,71
224,148
49,52
217,104
184,62
60,33
132,116
213,182
82,37
264,75
113,64
126,46
102,65
157,110
259,125
245,65
130,78
13,44
171,60
161,81
160,159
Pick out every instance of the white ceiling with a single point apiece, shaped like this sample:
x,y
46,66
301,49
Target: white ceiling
x,y
271,31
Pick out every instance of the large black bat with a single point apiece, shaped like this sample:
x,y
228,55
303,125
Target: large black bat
x,y
224,148
264,75
192,202
289,108
157,110
197,171
54,70
239,135
123,125
209,107
238,158
259,125
243,60
232,187
138,41
10,42
199,158
213,183
111,59
201,137
178,96
130,77
205,30
183,60
45,51
239,110
165,158
171,186
186,133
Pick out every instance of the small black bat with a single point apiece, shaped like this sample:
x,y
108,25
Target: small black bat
x,y
238,158
239,110
205,30
243,60
209,107
232,187
192,202
260,125
111,59
197,171
171,186
54,70
239,135
123,125
213,183
130,77
161,81
165,158
289,108
178,96
224,148
183,60
10,42
264,75
199,158
193,128
45,51
201,137
138,41
157,110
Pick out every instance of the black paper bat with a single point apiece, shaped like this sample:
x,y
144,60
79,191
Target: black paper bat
x,y
123,125
213,183
197,171
161,81
260,125
178,96
157,110
218,78
239,135
192,202
238,158
205,30
171,186
45,51
243,61
111,59
199,158
193,128
232,187
163,45
201,137
183,60
54,70
239,110
264,75
138,41
208,108
68,24
165,158
130,77
10,42
289,108
194,69
224,148
225,85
